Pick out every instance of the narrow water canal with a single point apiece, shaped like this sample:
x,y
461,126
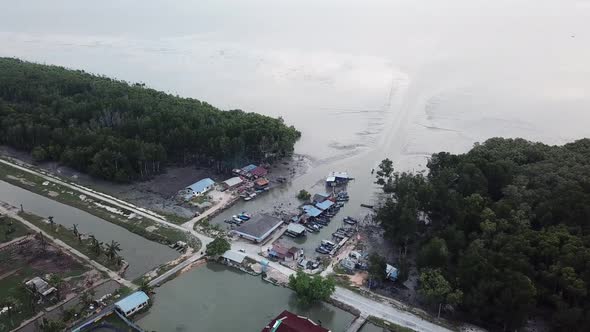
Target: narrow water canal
x,y
142,254
216,298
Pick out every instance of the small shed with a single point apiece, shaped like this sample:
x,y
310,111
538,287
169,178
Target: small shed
x,y
311,211
318,198
296,229
232,182
261,183
40,286
201,187
325,205
232,257
391,272
132,303
278,251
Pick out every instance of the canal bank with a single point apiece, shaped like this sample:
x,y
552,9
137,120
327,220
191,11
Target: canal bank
x,y
141,254
214,297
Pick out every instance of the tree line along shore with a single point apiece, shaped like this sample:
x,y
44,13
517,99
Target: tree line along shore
x,y
119,131
500,233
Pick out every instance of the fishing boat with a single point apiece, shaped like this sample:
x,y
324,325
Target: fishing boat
x,y
244,216
322,250
350,221
312,230
328,243
237,219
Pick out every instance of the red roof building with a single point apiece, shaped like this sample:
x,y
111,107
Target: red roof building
x,y
290,322
259,172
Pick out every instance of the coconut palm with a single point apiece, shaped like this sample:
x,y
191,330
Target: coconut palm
x,y
113,249
95,245
145,287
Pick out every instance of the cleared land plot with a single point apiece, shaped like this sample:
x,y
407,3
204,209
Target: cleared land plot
x,y
22,261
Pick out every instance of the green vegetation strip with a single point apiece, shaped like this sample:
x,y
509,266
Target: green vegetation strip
x,y
84,245
159,233
388,325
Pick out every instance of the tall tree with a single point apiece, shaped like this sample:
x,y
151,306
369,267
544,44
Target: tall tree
x,y
311,289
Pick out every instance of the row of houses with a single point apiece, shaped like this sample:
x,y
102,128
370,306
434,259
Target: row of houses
x,y
253,173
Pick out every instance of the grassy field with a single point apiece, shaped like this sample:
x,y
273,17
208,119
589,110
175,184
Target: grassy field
x,y
11,229
36,184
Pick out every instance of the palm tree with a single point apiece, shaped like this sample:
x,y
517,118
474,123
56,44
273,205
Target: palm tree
x,y
95,245
145,287
75,230
113,249
51,222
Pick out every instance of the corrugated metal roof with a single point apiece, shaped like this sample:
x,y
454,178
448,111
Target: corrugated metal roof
x,y
324,205
296,228
234,256
132,301
201,185
259,227
249,168
341,175
233,181
311,211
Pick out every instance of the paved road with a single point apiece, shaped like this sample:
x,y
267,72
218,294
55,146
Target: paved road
x,y
12,212
157,281
384,311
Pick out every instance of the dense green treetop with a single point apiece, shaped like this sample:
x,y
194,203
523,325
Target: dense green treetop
x,y
506,225
311,289
217,247
121,131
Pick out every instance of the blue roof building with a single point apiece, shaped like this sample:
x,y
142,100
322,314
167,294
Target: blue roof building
x,y
324,205
391,272
311,210
132,303
201,187
249,168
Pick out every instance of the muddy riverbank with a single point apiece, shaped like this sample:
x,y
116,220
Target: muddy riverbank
x,y
158,194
